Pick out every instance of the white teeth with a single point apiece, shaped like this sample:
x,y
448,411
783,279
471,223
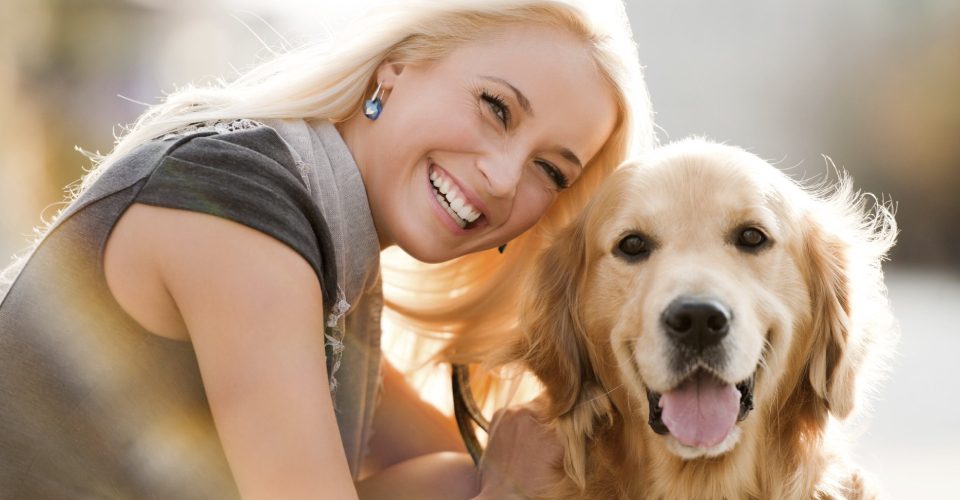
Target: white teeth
x,y
459,209
456,218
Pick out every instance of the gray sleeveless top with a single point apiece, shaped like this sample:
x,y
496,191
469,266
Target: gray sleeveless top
x,y
92,405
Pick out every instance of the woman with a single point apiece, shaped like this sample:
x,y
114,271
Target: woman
x,y
161,339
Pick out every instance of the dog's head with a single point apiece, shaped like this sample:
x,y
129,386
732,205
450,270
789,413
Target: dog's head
x,y
706,283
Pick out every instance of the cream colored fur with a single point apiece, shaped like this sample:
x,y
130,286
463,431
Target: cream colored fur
x,y
810,317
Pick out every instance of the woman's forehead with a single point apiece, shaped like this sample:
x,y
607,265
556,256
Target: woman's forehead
x,y
526,44
555,76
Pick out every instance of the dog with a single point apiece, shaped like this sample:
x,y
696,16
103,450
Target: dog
x,y
706,326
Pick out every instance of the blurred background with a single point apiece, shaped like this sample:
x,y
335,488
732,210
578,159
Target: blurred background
x,y
873,84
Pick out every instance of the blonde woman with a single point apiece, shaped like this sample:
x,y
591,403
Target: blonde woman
x,y
163,339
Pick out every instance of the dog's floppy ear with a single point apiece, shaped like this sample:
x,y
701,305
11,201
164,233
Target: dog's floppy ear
x,y
844,248
830,374
552,329
556,347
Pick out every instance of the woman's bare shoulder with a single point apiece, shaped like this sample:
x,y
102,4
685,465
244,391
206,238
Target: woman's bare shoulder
x,y
153,249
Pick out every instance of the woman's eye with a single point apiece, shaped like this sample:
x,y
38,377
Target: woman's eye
x,y
633,247
498,106
556,175
751,238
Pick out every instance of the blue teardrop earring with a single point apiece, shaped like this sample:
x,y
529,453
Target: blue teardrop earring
x,y
374,105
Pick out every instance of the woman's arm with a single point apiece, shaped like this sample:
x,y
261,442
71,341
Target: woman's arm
x,y
405,426
522,458
416,446
437,476
254,312
252,308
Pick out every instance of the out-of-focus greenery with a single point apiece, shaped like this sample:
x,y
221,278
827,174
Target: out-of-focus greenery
x,y
873,84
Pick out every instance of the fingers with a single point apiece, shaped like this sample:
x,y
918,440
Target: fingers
x,y
523,452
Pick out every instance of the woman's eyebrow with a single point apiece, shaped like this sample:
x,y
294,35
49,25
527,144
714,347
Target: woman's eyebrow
x,y
522,99
525,104
569,156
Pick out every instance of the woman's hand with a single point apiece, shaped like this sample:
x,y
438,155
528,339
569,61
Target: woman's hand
x,y
523,456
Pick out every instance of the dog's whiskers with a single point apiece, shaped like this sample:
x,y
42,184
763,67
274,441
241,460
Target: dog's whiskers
x,y
598,396
611,390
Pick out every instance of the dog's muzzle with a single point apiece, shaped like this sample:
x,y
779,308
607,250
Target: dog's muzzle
x,y
702,409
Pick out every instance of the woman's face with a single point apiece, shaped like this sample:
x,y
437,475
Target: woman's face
x,y
470,151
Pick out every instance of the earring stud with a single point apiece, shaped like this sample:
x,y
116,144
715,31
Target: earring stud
x,y
374,105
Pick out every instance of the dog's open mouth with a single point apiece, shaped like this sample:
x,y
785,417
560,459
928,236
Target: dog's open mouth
x,y
702,410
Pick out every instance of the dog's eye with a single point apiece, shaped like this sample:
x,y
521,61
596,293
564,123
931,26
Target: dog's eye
x,y
633,245
751,238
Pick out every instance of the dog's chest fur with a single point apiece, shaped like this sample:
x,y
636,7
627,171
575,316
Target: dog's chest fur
x,y
620,465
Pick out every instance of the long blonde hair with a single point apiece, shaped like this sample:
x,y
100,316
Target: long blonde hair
x,y
472,299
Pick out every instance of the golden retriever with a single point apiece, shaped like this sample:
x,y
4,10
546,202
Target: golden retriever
x,y
703,328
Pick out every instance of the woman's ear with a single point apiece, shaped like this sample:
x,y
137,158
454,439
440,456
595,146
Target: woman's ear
x,y
388,73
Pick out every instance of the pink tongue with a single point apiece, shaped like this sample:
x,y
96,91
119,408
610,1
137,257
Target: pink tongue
x,y
701,412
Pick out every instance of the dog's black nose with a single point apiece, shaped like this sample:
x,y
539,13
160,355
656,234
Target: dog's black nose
x,y
697,322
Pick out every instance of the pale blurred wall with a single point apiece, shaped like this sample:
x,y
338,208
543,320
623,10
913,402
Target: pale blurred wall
x,y
874,84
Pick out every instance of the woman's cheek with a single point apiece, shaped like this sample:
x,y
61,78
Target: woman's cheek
x,y
534,203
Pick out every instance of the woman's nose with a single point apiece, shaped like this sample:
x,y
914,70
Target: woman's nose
x,y
502,173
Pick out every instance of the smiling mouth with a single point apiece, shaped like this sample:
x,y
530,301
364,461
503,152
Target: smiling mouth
x,y
449,197
702,410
